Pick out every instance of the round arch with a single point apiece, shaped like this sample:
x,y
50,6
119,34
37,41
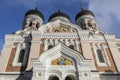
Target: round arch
x,y
53,78
70,77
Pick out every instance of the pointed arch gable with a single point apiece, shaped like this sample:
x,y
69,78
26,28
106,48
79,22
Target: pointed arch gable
x,y
62,50
49,25
43,63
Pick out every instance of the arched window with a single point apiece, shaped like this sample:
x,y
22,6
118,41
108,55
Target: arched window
x,y
100,56
50,46
68,78
89,24
21,56
37,25
55,78
30,24
71,46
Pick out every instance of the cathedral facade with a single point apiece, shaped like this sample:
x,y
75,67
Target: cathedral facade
x,y
60,49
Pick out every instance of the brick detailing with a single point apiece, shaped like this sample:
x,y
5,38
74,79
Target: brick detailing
x,y
11,68
111,68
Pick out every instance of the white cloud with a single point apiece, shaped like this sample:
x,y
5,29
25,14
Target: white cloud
x,y
107,14
105,10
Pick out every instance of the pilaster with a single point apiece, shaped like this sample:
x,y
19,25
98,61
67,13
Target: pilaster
x,y
34,51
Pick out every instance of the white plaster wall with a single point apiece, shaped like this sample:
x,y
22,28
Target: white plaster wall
x,y
34,53
96,78
4,59
10,77
115,53
87,52
5,54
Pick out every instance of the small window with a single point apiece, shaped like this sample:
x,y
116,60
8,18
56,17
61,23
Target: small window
x,y
30,24
71,47
37,25
100,56
68,78
89,24
50,46
21,55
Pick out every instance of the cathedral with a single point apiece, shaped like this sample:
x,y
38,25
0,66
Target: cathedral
x,y
60,49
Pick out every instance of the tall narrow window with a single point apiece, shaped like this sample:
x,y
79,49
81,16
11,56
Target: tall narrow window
x,y
21,56
100,56
30,24
37,25
89,24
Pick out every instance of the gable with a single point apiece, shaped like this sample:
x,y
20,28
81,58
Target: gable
x,y
72,57
59,26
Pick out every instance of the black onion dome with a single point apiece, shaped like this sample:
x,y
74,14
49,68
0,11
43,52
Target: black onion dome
x,y
59,13
36,12
84,12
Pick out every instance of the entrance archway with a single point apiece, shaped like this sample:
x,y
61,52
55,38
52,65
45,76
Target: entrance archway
x,y
70,78
53,78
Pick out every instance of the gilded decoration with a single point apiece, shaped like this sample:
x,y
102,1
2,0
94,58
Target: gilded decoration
x,y
61,61
60,29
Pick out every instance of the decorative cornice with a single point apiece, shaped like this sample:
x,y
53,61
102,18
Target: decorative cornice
x,y
11,73
55,35
16,38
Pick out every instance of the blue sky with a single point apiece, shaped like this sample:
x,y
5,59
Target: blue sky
x,y
12,13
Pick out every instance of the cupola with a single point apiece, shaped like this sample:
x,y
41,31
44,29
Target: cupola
x,y
83,13
86,19
59,15
33,18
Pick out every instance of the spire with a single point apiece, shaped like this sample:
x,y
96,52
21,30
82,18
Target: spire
x,y
59,11
58,8
36,7
81,6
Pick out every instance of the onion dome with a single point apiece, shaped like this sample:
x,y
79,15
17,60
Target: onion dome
x,y
84,12
35,12
33,18
59,15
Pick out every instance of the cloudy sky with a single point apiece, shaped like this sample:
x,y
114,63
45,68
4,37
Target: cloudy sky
x,y
12,13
